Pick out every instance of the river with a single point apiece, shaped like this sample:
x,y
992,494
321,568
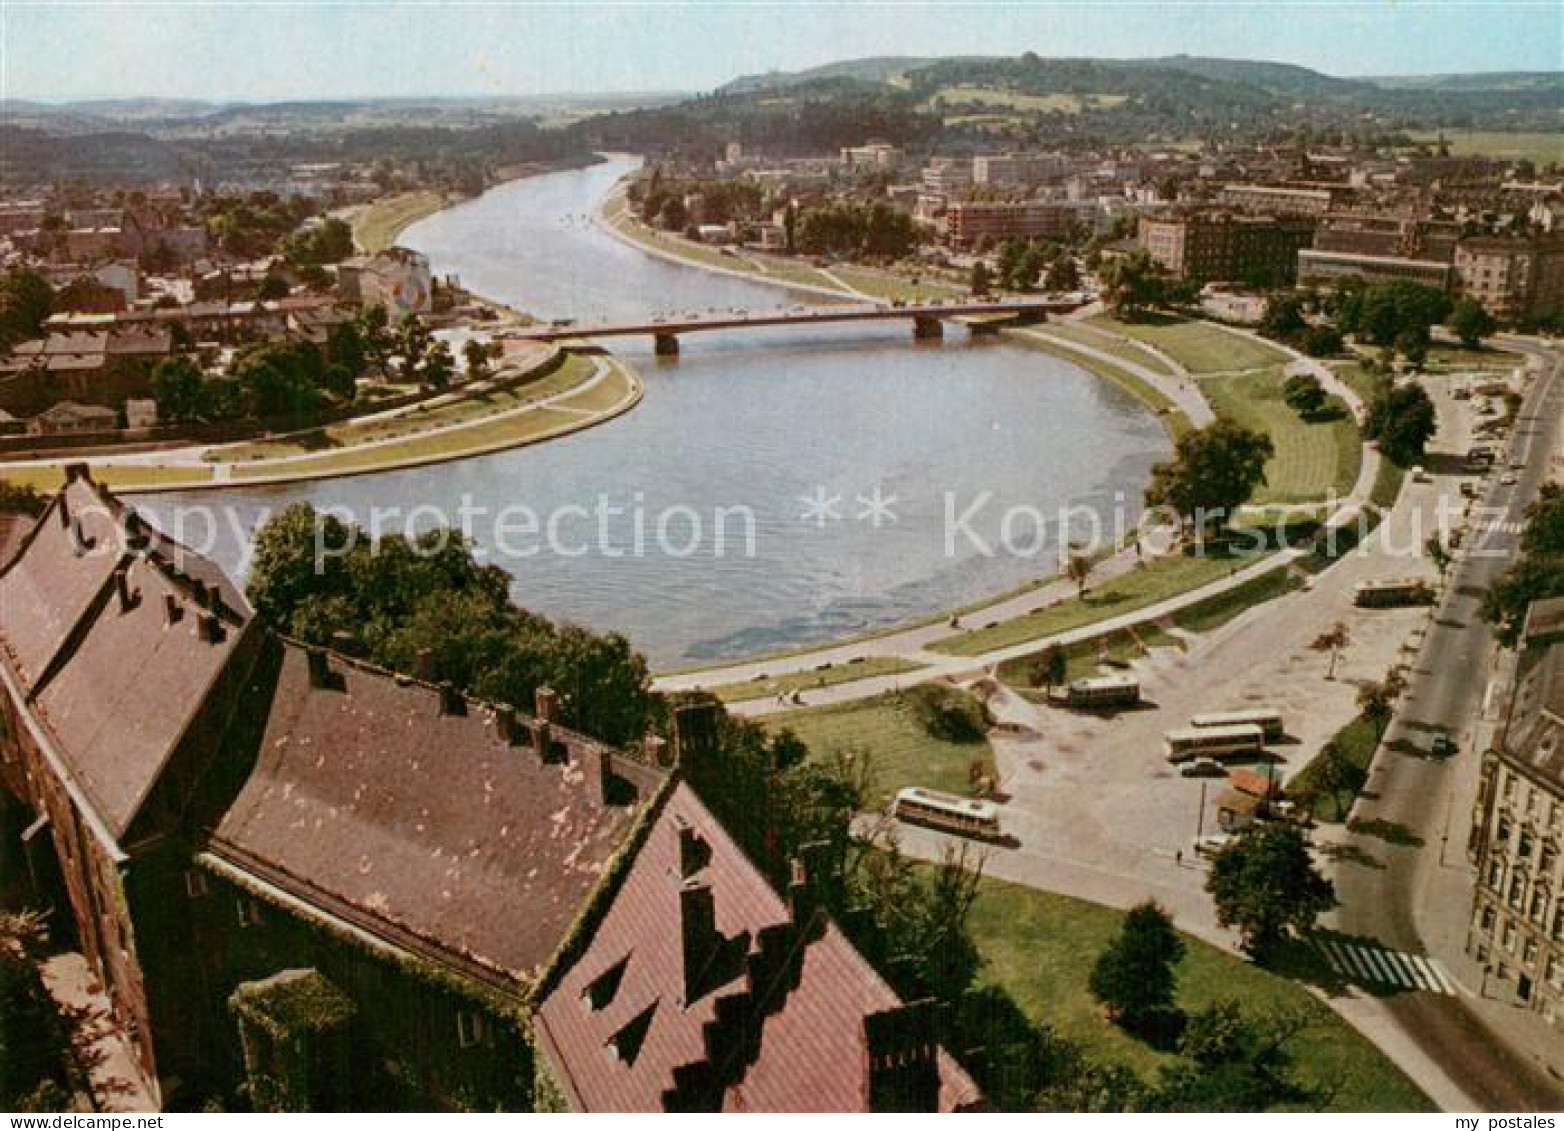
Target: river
x,y
775,488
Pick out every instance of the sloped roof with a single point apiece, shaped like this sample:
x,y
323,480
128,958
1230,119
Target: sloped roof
x,y
368,801
810,1055
1535,735
114,683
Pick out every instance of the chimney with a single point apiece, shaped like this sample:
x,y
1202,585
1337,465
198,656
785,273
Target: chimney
x,y
505,722
545,704
137,537
654,748
423,663
122,587
320,667
901,1059
451,700
208,627
594,767
172,609
698,930
542,740
341,640
695,737
75,471
801,895
198,589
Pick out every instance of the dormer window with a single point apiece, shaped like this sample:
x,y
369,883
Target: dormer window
x,y
601,990
627,1043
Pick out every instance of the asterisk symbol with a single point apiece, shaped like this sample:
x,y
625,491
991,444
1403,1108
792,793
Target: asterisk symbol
x,y
875,508
821,507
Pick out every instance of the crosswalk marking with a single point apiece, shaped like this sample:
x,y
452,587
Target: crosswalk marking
x,y
1368,963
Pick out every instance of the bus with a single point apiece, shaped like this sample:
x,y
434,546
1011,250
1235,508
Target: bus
x,y
1268,719
1213,742
1120,690
1393,592
963,815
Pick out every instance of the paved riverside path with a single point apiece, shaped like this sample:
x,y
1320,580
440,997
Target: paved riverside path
x,y
913,644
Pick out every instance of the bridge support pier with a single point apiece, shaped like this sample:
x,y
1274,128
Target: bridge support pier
x,y
666,345
927,329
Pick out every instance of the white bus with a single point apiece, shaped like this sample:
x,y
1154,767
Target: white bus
x,y
1118,690
964,815
1268,719
1213,742
1394,592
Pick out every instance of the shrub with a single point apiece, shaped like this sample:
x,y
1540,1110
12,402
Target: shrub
x,y
948,712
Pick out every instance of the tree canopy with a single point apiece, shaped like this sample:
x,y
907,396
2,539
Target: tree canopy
x,y
1264,883
1401,419
1214,471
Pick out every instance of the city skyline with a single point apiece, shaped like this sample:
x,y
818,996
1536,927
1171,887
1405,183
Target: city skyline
x,y
325,50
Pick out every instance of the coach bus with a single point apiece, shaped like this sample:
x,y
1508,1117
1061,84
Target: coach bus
x,y
1268,719
1213,742
945,811
1121,690
1388,594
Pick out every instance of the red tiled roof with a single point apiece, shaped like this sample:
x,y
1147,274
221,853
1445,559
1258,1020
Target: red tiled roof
x,y
368,801
810,1055
115,685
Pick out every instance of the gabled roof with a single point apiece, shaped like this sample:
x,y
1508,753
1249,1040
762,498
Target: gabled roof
x,y
114,636
1534,738
369,800
621,1030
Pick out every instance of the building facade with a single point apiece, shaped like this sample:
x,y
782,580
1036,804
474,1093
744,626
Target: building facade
x,y
1224,247
969,221
1517,927
1515,278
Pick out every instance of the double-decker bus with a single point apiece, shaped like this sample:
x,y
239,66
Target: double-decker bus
x,y
1120,690
1393,592
1268,719
964,815
1213,742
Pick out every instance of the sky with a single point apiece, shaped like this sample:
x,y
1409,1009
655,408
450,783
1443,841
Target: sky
x,y
267,50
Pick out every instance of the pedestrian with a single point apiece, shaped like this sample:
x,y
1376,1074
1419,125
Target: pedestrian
x,y
1178,857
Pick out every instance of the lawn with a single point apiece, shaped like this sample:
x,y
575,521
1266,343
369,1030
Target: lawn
x,y
574,370
1315,459
1538,147
1158,580
1214,612
1051,103
1153,398
1445,359
1039,948
1199,347
377,226
826,676
900,751
882,285
1087,657
1108,343
127,478
1357,740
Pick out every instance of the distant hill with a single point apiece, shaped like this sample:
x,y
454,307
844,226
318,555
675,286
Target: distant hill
x,y
880,69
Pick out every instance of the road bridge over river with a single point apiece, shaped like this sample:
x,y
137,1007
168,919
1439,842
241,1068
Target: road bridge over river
x,y
927,319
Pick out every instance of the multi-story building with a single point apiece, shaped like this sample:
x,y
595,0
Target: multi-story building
x,y
1282,200
1517,928
1223,247
874,156
1515,278
968,221
1318,268
947,175
397,279
347,888
1017,168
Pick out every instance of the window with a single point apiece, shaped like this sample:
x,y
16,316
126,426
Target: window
x,y
1556,972
1517,888
471,1028
249,911
1525,846
195,884
1539,903
1529,951
1486,920
1508,939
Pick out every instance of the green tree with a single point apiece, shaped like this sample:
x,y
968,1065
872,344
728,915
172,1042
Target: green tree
x,y
273,287
26,301
476,355
374,329
1078,568
1049,669
1232,1062
179,388
345,347
1214,471
438,365
1134,978
1265,885
1332,640
1283,319
1304,394
1133,284
1470,322
1062,275
980,278
412,343
1401,419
